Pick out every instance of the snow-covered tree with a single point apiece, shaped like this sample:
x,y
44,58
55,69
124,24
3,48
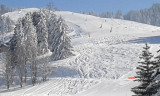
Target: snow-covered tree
x,y
8,55
61,46
52,29
148,16
107,15
34,35
31,45
155,85
93,13
11,56
119,15
44,67
8,69
144,73
20,51
39,21
9,61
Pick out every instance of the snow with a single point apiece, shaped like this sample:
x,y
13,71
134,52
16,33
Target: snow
x,y
20,13
57,86
49,53
102,63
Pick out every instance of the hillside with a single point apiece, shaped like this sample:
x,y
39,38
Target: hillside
x,y
106,54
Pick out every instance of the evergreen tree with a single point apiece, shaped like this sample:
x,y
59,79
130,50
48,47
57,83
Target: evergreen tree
x,y
58,41
61,46
144,73
35,33
39,21
155,85
52,29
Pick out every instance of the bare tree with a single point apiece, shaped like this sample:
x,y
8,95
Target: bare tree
x,y
20,53
8,69
31,42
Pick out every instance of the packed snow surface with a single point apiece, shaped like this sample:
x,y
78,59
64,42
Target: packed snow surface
x,y
106,54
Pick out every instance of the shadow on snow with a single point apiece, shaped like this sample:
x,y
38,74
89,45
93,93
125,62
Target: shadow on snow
x,y
62,71
150,40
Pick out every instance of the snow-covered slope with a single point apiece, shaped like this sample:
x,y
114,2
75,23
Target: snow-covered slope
x,y
20,13
103,60
106,54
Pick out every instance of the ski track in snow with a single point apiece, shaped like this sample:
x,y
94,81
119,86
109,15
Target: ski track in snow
x,y
57,86
102,63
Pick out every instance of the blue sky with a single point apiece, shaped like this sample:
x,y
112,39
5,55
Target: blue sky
x,y
85,5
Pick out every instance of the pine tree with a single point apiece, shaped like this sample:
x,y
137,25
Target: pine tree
x,y
61,46
144,73
58,41
52,29
39,21
51,26
155,85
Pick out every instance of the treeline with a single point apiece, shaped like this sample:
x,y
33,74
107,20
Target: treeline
x,y
25,55
148,74
117,15
148,16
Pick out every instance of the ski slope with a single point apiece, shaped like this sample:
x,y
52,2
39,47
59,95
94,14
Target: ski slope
x,y
103,60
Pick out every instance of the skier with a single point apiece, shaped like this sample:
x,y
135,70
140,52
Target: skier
x,y
100,26
111,29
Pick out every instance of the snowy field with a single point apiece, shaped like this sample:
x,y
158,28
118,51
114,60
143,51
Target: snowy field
x,y
103,60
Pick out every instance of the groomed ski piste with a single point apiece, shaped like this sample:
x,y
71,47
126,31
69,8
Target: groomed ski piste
x,y
106,54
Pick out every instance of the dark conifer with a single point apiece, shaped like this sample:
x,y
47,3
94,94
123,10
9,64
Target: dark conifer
x,y
144,73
